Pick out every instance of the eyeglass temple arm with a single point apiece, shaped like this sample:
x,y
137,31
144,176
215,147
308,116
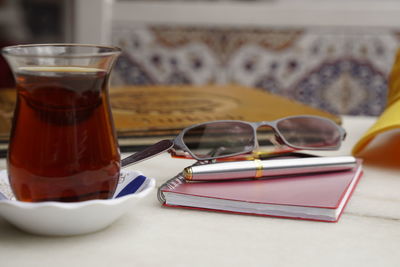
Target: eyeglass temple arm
x,y
149,152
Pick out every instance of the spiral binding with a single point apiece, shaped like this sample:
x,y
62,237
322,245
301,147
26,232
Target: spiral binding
x,y
175,181
170,184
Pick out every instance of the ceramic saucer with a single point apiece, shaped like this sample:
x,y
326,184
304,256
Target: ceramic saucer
x,y
62,219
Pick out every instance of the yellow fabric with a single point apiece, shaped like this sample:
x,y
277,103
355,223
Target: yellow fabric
x,y
390,118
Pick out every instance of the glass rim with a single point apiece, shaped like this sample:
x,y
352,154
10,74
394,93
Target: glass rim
x,y
13,50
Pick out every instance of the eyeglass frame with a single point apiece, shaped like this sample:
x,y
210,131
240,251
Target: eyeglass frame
x,y
178,143
178,140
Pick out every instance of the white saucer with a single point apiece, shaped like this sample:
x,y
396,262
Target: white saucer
x,y
63,219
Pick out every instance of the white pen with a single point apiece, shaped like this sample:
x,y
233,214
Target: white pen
x,y
264,168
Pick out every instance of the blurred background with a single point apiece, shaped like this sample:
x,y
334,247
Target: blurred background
x,y
33,21
330,54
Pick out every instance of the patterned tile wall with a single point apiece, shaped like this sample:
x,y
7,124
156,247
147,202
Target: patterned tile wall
x,y
341,70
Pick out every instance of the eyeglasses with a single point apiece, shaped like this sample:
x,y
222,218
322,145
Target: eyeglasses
x,y
229,138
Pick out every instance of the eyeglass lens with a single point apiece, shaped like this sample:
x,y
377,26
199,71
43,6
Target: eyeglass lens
x,y
312,133
219,139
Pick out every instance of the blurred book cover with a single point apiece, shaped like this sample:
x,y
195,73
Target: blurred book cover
x,y
144,115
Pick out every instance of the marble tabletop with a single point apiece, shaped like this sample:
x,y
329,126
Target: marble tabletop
x,y
368,233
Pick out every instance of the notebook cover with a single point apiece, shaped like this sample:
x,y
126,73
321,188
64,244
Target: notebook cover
x,y
318,190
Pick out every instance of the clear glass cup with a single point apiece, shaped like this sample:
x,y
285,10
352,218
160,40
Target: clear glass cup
x,y
63,145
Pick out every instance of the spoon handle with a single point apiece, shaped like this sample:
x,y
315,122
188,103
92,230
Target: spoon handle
x,y
151,151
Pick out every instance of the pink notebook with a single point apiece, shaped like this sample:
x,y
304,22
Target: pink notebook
x,y
320,197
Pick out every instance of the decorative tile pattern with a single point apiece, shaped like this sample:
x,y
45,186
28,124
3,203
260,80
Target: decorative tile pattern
x,y
341,70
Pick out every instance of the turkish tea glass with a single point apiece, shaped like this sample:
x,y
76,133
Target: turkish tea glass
x,y
63,145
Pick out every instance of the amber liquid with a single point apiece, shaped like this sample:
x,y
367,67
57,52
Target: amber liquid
x,y
63,146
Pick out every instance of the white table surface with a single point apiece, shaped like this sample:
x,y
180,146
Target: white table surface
x,y
368,233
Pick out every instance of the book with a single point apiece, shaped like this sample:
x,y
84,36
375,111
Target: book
x,y
144,115
319,197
